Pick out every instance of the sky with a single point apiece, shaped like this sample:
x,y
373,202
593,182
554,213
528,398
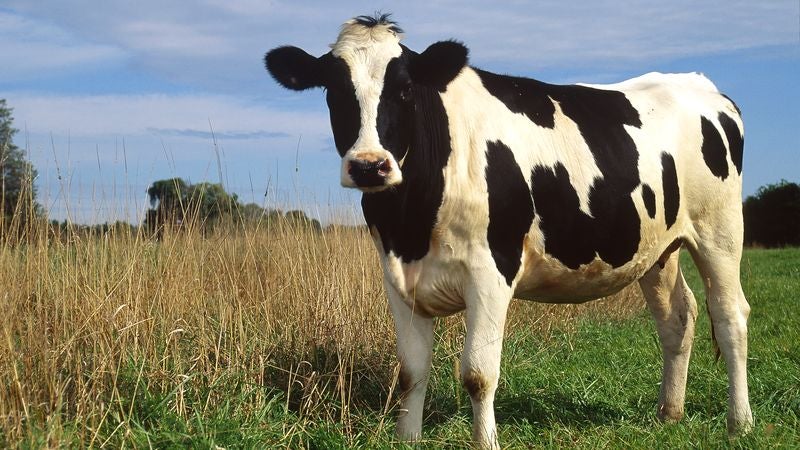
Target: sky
x,y
111,96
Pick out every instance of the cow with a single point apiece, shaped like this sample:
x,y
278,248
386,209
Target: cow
x,y
479,188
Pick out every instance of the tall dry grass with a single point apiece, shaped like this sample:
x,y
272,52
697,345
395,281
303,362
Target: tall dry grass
x,y
90,321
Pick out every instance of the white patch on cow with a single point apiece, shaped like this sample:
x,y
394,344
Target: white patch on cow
x,y
367,52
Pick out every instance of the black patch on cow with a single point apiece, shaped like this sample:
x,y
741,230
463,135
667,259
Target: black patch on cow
x,y
396,109
617,225
649,198
522,96
566,228
405,215
714,153
345,113
672,196
510,209
563,224
573,236
735,141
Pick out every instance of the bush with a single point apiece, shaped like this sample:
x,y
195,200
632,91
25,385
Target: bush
x,y
772,216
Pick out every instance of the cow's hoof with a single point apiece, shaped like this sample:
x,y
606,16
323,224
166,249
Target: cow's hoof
x,y
670,413
739,427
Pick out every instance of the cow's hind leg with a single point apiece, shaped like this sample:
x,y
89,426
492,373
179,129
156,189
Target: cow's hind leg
x,y
674,309
718,259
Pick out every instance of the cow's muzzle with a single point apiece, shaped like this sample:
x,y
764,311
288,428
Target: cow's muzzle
x,y
370,174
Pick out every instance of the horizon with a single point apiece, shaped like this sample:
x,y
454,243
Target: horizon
x,y
109,98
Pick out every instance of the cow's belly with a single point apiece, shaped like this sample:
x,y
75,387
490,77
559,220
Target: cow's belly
x,y
543,278
435,285
558,285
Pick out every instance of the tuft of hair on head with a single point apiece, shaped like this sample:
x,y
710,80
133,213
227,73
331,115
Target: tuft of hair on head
x,y
378,19
363,31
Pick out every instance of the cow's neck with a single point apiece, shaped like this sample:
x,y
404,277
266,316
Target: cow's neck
x,y
404,216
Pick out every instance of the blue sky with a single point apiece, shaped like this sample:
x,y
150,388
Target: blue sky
x,y
110,96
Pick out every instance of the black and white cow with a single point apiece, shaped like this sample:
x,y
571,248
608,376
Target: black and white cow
x,y
481,187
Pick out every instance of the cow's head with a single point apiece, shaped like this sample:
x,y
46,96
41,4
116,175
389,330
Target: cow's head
x,y
370,80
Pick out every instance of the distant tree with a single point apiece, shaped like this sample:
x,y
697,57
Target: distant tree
x,y
16,172
772,216
174,201
167,203
252,212
299,218
210,202
167,195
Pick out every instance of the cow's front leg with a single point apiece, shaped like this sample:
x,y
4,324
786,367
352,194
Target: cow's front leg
x,y
414,348
487,305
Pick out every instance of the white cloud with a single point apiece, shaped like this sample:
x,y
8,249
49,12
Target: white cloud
x,y
122,115
174,39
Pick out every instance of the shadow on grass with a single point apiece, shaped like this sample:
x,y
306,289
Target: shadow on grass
x,y
321,374
542,409
555,407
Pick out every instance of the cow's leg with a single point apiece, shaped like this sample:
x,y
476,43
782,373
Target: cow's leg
x,y
486,308
414,348
674,309
718,258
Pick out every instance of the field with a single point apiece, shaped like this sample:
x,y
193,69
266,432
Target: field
x,y
279,336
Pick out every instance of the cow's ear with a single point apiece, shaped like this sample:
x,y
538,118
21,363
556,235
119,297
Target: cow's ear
x,y
293,68
439,64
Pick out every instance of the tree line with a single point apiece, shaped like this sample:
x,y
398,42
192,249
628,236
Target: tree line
x,y
771,215
178,204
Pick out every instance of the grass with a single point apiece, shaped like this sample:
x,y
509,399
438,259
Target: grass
x,y
280,337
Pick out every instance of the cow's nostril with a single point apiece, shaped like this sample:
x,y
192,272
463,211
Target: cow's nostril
x,y
385,167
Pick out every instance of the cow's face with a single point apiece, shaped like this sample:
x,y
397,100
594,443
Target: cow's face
x,y
370,80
